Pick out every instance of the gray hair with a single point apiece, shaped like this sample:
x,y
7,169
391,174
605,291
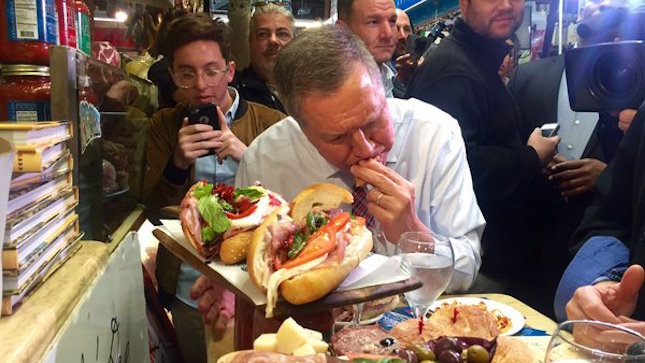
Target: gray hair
x,y
319,61
270,8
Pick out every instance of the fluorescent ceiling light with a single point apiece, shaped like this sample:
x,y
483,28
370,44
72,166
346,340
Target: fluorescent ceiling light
x,y
121,16
106,19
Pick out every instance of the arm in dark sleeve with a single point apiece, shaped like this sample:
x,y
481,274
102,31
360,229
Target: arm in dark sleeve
x,y
610,214
500,172
163,183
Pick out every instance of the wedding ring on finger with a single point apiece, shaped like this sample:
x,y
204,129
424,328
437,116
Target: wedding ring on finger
x,y
378,199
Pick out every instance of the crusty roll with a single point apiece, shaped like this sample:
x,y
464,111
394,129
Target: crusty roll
x,y
189,217
308,281
256,262
324,195
234,249
230,215
312,285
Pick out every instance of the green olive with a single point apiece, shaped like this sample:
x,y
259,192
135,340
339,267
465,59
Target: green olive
x,y
427,361
423,353
477,354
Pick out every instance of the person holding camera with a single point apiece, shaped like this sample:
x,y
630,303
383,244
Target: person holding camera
x,y
181,151
614,231
588,139
461,77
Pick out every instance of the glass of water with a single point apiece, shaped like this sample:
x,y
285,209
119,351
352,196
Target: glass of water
x,y
430,259
579,341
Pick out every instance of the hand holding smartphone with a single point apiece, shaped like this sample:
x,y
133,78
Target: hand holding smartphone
x,y
205,114
550,129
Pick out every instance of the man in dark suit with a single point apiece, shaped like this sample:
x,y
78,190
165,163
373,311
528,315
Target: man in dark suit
x,y
618,211
461,77
588,143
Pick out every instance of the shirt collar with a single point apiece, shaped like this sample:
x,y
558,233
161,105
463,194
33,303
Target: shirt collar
x,y
230,114
386,75
492,51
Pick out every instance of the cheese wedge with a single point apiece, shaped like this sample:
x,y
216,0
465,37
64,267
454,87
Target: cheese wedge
x,y
304,349
314,334
266,342
318,345
290,336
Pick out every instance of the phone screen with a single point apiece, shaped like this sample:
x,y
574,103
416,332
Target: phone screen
x,y
549,130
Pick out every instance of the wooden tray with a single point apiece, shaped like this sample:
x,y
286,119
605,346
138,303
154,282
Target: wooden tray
x,y
334,299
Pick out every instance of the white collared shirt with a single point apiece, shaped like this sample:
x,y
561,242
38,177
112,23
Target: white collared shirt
x,y
207,168
386,76
428,151
575,127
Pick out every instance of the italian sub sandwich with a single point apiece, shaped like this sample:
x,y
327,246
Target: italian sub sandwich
x,y
306,251
221,219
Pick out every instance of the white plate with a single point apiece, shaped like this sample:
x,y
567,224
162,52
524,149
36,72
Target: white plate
x,y
363,322
517,319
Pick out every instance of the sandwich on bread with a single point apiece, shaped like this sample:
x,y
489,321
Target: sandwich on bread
x,y
306,251
221,219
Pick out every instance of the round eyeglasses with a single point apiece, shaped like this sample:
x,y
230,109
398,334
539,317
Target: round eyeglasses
x,y
188,79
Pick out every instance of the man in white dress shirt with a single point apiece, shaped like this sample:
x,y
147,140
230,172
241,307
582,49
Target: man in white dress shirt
x,y
332,85
347,126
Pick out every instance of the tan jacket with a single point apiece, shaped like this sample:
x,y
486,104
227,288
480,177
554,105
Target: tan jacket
x,y
249,121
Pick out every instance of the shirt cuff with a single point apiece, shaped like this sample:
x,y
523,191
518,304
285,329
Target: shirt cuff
x,y
614,274
174,174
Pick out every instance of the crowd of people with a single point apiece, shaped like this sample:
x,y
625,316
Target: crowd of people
x,y
459,152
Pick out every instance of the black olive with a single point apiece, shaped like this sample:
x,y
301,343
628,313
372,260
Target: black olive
x,y
637,348
446,343
430,344
409,356
449,356
386,342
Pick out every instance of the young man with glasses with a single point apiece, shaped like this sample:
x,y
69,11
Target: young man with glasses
x,y
177,154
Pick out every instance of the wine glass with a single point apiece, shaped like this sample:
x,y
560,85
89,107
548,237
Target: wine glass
x,y
594,341
430,259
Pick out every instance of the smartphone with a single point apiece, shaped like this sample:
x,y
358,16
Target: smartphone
x,y
549,130
206,114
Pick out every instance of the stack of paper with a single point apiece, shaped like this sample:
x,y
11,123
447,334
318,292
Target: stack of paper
x,y
38,144
41,226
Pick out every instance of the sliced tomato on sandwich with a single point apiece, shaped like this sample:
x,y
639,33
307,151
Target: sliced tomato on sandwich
x,y
220,211
321,242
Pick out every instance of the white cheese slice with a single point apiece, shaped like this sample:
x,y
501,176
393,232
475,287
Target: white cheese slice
x,y
319,345
266,342
255,218
315,334
303,350
278,276
290,336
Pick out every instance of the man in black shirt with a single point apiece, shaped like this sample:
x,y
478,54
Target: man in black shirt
x,y
272,27
461,77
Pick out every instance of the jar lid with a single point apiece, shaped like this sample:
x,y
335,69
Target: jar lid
x,y
24,70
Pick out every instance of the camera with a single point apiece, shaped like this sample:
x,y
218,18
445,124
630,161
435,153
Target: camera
x,y
606,76
612,23
605,24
